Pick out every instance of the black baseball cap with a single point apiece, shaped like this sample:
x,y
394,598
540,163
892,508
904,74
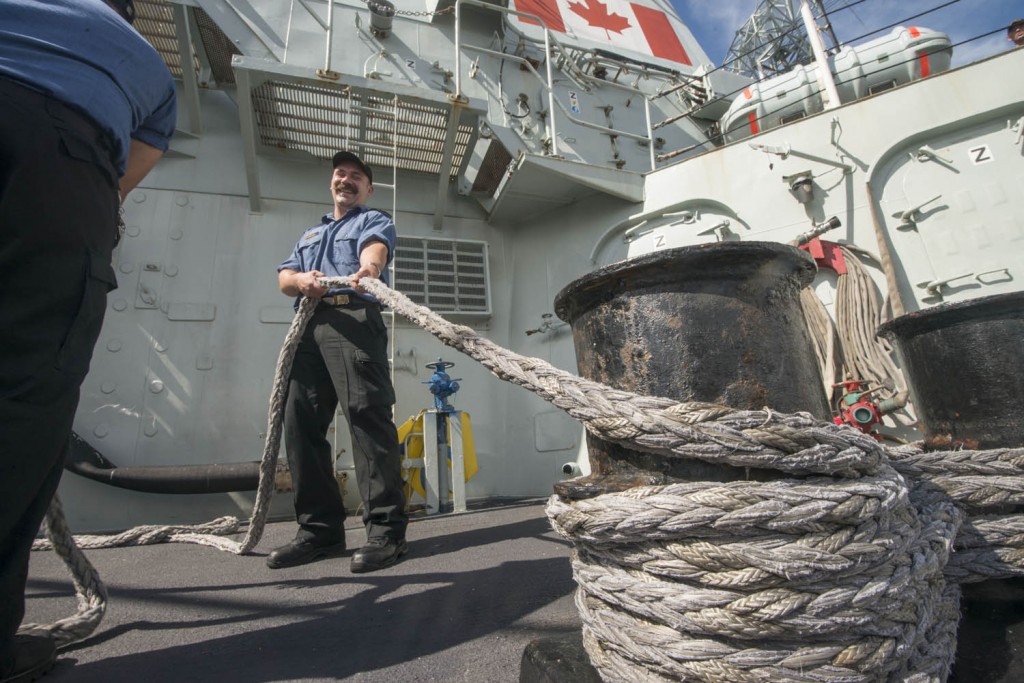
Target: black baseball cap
x,y
349,156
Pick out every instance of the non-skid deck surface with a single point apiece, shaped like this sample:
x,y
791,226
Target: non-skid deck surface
x,y
474,589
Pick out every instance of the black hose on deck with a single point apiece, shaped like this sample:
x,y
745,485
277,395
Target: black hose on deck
x,y
88,462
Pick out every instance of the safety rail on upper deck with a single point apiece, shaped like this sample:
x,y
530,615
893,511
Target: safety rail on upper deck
x,y
550,42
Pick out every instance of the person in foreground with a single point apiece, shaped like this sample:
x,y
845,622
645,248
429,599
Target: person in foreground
x,y
342,356
87,107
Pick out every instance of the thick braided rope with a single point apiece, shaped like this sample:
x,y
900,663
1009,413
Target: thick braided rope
x,y
666,594
156,533
814,580
919,609
89,590
978,479
990,544
275,420
858,313
797,444
823,337
791,443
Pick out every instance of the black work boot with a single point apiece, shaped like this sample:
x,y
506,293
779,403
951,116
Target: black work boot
x,y
303,551
379,552
29,658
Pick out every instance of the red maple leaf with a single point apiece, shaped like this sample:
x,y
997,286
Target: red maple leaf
x,y
596,13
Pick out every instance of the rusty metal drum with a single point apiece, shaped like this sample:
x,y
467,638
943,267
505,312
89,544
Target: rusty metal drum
x,y
963,363
719,323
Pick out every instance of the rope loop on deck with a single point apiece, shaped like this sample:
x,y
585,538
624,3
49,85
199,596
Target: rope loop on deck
x,y
845,569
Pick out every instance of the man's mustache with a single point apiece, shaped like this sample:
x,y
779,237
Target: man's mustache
x,y
346,187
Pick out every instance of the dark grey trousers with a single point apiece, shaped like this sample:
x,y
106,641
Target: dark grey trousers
x,y
342,358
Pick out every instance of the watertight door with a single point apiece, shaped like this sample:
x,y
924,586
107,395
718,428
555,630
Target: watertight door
x,y
947,205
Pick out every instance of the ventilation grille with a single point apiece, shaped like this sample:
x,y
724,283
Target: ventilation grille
x,y
154,20
446,276
219,48
322,120
492,169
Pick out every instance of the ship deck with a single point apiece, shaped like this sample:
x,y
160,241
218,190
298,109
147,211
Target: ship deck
x,y
473,591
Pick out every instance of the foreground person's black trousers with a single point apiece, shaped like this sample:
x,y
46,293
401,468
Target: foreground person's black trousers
x,y
58,211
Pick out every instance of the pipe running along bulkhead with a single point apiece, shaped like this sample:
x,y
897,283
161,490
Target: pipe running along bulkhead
x,y
86,461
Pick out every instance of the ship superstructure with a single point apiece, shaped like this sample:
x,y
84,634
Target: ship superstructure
x,y
518,147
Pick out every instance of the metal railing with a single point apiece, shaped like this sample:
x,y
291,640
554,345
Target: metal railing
x,y
550,42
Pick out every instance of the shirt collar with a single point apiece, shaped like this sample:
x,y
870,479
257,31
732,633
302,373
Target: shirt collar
x,y
329,217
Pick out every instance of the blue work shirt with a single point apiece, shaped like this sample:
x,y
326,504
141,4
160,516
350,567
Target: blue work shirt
x,y
333,247
84,54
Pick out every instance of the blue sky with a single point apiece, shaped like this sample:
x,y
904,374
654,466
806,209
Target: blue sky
x,y
714,22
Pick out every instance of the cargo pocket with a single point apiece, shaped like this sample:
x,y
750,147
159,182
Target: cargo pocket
x,y
76,351
376,389
76,147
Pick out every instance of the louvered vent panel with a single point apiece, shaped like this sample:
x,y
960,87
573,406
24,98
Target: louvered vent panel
x,y
446,276
154,20
219,48
383,130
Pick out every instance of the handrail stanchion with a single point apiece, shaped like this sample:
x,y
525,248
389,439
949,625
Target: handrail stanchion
x,y
551,93
650,133
330,36
458,49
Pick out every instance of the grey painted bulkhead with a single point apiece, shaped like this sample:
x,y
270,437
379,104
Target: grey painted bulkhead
x,y
184,365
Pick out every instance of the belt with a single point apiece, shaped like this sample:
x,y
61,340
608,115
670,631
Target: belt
x,y
72,118
75,118
346,301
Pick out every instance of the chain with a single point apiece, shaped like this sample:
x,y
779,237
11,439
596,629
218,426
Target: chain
x,y
387,9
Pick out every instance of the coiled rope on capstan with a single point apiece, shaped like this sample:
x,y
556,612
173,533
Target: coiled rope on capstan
x,y
812,580
841,576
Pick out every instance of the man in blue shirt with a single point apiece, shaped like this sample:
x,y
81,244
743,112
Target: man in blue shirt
x,y
87,107
342,357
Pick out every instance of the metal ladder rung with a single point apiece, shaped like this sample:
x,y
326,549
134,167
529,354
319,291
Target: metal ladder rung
x,y
372,145
374,110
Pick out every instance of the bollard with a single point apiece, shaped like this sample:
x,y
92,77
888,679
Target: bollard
x,y
963,365
719,323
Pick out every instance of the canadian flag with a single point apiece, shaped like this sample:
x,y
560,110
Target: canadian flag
x,y
615,23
